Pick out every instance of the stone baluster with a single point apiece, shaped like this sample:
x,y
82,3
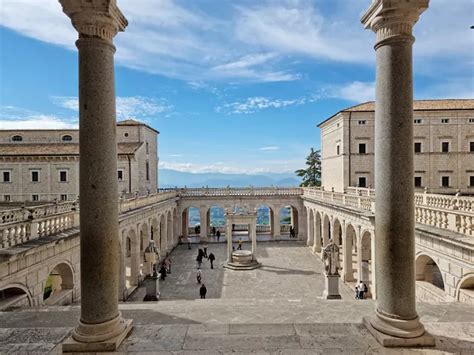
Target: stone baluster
x,y
396,322
101,326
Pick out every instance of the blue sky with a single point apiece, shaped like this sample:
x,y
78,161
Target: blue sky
x,y
233,86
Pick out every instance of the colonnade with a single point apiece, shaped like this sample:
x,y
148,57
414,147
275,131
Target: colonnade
x,y
101,326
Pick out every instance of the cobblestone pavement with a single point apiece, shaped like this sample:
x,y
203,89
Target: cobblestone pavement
x,y
289,270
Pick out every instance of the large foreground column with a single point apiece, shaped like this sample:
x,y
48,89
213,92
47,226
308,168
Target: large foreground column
x,y
101,326
396,322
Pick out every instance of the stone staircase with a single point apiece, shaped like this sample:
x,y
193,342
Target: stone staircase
x,y
239,326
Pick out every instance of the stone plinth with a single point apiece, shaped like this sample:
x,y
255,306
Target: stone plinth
x,y
331,292
152,285
243,260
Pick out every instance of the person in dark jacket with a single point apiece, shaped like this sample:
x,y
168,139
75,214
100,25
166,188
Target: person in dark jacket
x,y
211,259
202,291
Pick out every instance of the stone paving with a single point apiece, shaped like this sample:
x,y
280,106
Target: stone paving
x,y
272,310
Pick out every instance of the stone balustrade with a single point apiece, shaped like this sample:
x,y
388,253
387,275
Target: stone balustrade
x,y
21,225
237,191
356,201
133,203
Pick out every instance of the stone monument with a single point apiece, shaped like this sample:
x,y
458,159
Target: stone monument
x,y
152,283
331,259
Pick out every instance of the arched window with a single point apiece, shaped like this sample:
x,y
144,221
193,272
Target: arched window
x,y
17,138
66,138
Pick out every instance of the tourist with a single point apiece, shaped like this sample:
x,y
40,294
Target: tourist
x,y
240,244
189,243
211,259
168,263
196,230
218,234
202,291
163,271
199,258
205,250
361,289
199,276
213,231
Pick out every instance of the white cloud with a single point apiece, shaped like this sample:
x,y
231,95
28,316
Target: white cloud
x,y
12,117
127,107
272,147
355,91
257,103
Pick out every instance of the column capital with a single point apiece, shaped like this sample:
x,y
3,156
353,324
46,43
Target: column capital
x,y
95,18
393,20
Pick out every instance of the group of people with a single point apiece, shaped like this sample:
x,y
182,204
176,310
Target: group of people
x,y
216,233
361,289
202,253
165,267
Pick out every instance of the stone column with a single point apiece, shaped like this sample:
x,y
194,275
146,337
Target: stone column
x,y
317,234
276,222
203,216
184,223
396,316
253,236
228,234
309,226
101,326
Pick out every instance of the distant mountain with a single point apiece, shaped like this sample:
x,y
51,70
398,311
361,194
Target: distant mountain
x,y
172,178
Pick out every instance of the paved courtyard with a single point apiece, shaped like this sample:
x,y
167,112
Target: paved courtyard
x,y
289,271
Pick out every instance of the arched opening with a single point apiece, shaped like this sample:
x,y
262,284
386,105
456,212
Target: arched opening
x,y
337,238
170,231
310,238
429,280
349,243
318,233
58,289
366,262
288,218
216,220
163,234
154,230
193,221
14,297
144,241
175,224
132,258
466,290
326,230
265,220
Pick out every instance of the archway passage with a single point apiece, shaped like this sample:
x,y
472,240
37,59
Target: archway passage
x,y
429,280
217,220
337,238
365,266
265,220
288,218
349,258
466,291
192,218
14,297
59,285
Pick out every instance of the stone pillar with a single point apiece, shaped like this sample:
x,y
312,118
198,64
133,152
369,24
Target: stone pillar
x,y
317,234
203,216
276,222
309,225
101,326
396,316
184,223
253,236
228,234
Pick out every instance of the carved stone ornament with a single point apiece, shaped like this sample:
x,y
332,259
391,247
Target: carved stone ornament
x,y
95,18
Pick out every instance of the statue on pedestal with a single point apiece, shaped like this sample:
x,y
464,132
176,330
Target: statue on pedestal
x,y
150,259
331,258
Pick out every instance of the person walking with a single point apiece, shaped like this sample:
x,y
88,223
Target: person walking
x,y
240,244
202,291
163,271
205,250
211,259
213,231
199,276
189,243
218,235
199,260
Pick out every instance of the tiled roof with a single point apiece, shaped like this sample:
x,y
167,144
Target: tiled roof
x,y
418,105
422,105
56,149
131,122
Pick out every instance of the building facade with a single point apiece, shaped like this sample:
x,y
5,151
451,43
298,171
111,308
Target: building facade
x,y
43,165
443,146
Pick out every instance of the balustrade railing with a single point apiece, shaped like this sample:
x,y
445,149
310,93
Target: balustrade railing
x,y
237,191
129,204
20,225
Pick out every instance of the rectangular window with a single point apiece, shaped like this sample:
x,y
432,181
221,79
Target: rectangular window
x,y
63,175
6,176
471,120
362,122
417,121
63,197
35,176
147,148
147,171
417,147
445,120
445,147
417,181
362,148
34,197
445,181
471,147
362,181
338,150
7,198
471,181
120,175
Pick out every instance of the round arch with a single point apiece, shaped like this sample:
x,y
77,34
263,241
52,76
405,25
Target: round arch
x,y
15,295
266,219
465,289
289,216
427,270
326,229
132,257
216,219
310,238
318,239
366,264
59,283
348,245
169,231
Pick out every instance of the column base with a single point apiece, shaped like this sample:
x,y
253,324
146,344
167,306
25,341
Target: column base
x,y
409,339
98,337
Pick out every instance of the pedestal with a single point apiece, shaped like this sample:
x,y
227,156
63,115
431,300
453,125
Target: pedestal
x,y
331,292
152,285
243,260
